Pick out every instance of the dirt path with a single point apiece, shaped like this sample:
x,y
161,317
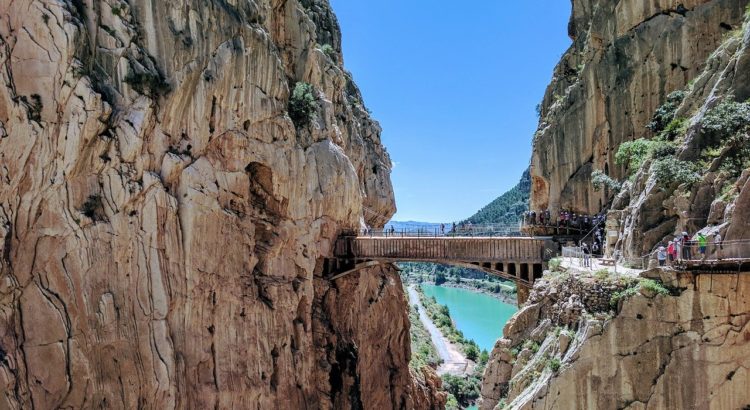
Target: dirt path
x,y
454,362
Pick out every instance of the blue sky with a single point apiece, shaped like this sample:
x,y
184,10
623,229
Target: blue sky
x,y
454,87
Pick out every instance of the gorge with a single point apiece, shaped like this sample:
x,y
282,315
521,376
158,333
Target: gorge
x,y
176,176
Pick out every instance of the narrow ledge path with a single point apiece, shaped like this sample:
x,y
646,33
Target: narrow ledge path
x,y
454,362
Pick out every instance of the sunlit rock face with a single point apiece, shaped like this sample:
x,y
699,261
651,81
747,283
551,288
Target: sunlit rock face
x,y
652,351
626,57
164,221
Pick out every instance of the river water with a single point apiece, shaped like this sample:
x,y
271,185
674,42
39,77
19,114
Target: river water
x,y
480,317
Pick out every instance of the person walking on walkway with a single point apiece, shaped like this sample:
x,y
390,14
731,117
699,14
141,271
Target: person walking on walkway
x,y
702,244
671,252
442,229
661,255
718,245
687,253
586,255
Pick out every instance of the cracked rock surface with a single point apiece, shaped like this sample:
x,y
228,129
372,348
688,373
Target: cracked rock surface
x,y
626,57
163,221
654,351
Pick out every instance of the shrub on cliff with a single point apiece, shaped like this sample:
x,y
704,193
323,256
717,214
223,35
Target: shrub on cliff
x,y
726,128
670,170
599,180
302,104
665,113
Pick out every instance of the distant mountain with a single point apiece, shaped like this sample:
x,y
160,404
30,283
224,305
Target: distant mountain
x,y
412,226
508,207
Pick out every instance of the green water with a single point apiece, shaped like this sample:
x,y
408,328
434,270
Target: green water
x,y
480,317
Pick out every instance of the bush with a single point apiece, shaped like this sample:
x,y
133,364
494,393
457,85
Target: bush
x,y
633,154
554,263
674,129
601,180
660,149
484,357
554,364
302,104
472,352
439,278
653,286
328,50
665,113
670,170
464,389
727,127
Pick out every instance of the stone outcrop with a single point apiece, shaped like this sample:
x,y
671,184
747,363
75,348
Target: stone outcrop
x,y
164,221
626,57
688,349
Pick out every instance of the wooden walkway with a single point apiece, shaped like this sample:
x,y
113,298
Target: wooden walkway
x,y
519,259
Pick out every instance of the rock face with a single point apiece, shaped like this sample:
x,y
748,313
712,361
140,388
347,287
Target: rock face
x,y
719,200
658,351
164,222
626,57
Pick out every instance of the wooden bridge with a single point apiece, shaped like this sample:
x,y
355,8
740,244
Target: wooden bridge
x,y
519,259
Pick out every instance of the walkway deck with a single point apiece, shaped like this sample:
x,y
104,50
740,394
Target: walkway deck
x,y
515,258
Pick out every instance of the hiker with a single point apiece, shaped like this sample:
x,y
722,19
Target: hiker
x,y
677,248
442,229
718,245
541,217
702,244
687,253
548,216
671,252
586,255
533,218
561,218
595,248
661,255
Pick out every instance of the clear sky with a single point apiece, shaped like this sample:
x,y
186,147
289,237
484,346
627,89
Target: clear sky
x,y
454,86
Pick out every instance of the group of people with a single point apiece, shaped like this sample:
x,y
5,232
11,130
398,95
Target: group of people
x,y
682,247
537,218
565,219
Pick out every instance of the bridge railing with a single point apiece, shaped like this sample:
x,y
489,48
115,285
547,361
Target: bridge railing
x,y
490,230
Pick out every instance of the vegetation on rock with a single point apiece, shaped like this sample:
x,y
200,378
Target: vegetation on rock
x,y
302,104
508,207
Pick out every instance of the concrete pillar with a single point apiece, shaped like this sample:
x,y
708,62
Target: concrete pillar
x,y
522,293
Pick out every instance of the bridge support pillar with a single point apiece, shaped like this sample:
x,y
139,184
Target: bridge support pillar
x,y
522,293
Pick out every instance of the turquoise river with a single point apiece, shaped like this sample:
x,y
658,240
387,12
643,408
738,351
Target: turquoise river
x,y
480,317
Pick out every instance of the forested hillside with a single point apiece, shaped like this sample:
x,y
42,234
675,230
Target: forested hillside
x,y
508,207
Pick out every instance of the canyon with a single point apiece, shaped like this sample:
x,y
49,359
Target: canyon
x,y
165,211
175,175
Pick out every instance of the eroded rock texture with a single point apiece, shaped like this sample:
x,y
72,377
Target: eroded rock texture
x,y
627,56
651,213
164,222
658,352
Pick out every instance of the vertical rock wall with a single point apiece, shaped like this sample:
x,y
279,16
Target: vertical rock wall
x,y
625,58
162,217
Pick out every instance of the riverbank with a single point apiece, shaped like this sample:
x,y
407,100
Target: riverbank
x,y
468,285
454,362
469,279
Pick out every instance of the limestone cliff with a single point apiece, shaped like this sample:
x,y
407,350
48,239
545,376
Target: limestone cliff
x,y
710,144
585,342
164,220
626,57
